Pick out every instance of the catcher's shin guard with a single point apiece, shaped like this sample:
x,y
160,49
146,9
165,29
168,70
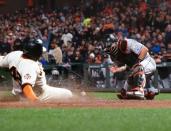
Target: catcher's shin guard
x,y
137,77
136,82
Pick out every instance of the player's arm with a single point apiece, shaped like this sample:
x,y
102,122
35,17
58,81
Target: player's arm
x,y
29,93
115,69
143,53
138,49
1,57
4,61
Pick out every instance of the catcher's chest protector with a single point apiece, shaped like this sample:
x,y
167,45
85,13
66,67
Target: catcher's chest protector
x,y
128,59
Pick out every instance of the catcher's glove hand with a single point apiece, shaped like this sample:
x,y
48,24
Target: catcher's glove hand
x,y
106,50
113,69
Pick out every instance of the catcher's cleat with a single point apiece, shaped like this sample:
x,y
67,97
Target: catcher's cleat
x,y
121,97
122,94
150,93
136,93
150,96
129,97
135,97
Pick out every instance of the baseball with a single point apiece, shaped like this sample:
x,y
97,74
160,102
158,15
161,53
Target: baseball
x,y
92,55
83,93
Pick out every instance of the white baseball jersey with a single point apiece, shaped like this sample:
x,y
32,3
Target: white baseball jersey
x,y
27,71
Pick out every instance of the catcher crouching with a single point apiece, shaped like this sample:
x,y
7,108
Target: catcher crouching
x,y
141,66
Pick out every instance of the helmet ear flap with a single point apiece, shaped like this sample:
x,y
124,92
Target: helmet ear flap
x,y
38,41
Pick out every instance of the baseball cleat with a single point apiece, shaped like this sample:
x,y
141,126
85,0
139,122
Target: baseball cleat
x,y
135,97
150,93
121,97
122,94
135,94
129,97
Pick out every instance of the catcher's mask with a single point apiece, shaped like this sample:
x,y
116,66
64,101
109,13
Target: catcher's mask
x,y
112,51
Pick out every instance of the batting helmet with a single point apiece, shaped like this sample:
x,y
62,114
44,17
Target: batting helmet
x,y
33,49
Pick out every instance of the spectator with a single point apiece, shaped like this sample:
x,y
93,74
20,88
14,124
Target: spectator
x,y
168,37
56,52
145,24
66,37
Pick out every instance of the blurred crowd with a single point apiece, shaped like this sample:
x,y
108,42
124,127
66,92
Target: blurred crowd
x,y
78,34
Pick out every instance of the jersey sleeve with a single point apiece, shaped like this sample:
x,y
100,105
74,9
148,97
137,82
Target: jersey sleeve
x,y
4,61
134,46
10,59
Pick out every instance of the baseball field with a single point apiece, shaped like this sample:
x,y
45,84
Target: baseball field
x,y
98,111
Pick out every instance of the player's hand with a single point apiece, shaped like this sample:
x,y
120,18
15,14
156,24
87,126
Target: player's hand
x,y
113,69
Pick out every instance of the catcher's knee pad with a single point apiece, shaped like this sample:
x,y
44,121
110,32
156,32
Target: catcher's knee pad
x,y
137,77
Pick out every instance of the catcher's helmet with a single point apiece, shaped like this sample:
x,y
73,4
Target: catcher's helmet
x,y
112,50
33,49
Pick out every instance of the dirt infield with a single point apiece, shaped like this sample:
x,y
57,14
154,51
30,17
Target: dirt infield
x,y
91,104
89,101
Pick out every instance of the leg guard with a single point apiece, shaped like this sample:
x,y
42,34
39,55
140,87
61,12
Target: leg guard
x,y
137,77
136,82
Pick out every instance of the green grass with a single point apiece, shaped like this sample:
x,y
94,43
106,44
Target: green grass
x,y
163,96
85,119
104,95
112,96
7,96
